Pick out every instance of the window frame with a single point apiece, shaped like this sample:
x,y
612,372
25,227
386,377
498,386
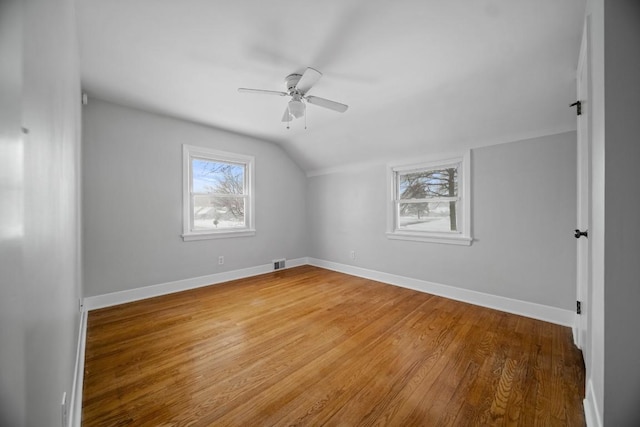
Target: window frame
x,y
463,205
190,152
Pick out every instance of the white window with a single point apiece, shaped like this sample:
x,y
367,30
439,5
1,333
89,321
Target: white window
x,y
217,194
430,201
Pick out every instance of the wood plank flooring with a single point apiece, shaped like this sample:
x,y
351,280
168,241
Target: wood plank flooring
x,y
308,346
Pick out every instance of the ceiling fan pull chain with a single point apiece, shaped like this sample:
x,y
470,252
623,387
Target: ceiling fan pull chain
x,y
305,121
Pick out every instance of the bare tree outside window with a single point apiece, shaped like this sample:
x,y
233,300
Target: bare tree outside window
x,y
229,180
427,197
219,198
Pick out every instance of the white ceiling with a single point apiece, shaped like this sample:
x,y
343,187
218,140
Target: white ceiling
x,y
419,76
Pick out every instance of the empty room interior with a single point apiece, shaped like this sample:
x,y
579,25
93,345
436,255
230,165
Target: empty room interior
x,y
319,213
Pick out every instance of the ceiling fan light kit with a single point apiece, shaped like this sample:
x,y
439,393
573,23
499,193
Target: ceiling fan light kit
x,y
297,87
296,108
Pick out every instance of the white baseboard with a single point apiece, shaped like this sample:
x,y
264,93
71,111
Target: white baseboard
x,y
523,308
75,406
575,331
591,412
131,295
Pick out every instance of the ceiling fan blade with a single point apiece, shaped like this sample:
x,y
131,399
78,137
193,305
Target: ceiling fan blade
x,y
261,91
332,105
287,117
309,78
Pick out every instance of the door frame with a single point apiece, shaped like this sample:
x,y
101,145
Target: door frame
x,y
583,245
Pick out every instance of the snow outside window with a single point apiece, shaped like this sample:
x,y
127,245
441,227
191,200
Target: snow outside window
x,y
428,201
217,194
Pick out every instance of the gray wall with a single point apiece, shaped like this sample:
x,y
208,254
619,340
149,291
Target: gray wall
x,y
523,214
39,209
12,300
132,201
622,205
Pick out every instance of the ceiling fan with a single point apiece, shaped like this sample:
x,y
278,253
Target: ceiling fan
x,y
297,87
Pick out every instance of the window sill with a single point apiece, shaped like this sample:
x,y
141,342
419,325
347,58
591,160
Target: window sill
x,y
217,235
456,239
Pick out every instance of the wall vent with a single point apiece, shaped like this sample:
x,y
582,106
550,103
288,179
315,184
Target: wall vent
x,y
278,264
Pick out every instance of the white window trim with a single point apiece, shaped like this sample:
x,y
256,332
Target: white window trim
x,y
191,151
463,236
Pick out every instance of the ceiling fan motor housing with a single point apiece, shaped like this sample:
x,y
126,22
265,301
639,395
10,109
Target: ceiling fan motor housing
x,y
292,80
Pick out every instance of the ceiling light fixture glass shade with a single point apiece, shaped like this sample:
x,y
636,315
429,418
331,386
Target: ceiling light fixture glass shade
x,y
296,108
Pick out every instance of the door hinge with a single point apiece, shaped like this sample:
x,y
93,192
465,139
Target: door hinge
x,y
578,105
577,233
578,307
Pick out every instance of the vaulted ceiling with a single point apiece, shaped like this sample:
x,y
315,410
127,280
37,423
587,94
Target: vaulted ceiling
x,y
419,76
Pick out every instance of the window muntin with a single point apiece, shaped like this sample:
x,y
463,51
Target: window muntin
x,y
218,194
428,201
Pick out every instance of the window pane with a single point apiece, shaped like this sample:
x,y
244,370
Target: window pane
x,y
217,177
438,216
428,183
218,213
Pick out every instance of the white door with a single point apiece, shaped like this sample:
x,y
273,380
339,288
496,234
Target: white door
x,y
584,200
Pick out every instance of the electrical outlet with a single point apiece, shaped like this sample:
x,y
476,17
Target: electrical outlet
x,y
353,254
220,260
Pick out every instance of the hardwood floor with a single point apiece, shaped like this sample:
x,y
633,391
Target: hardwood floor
x,y
308,346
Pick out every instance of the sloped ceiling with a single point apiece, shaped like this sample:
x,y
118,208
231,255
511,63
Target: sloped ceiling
x,y
419,76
